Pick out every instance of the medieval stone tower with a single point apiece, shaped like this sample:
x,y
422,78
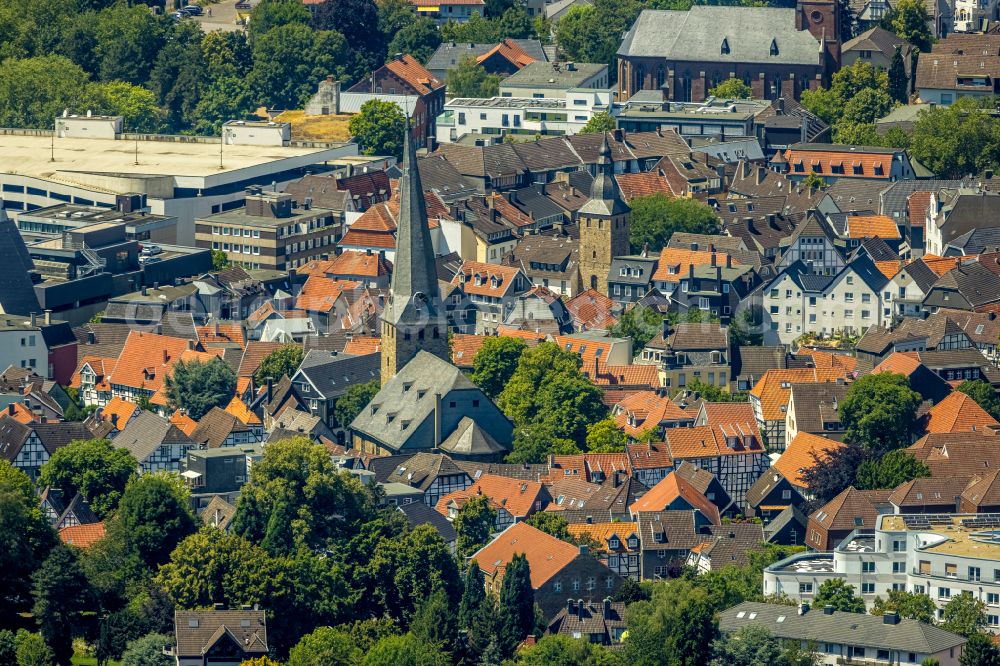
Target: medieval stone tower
x,y
414,317
604,225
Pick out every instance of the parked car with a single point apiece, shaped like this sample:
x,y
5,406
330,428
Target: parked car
x,y
148,259
151,250
193,10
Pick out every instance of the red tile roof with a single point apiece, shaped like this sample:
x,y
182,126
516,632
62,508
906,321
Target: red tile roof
x,y
516,496
320,294
254,355
21,414
872,226
409,69
773,389
221,333
464,348
900,363
361,345
643,184
121,408
238,409
647,409
622,375
849,164
679,261
484,279
546,554
82,536
917,205
591,310
101,367
958,413
802,454
184,423
146,359
667,491
507,48
359,263
653,455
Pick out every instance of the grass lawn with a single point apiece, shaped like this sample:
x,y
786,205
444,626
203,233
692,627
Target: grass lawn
x,y
81,660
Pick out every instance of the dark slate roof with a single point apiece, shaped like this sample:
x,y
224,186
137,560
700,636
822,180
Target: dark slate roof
x,y
522,472
752,361
219,513
215,426
894,198
976,241
79,508
678,528
13,434
469,439
17,295
857,629
146,432
762,486
855,194
592,618
922,274
448,55
732,543
438,175
197,631
978,284
791,514
332,374
691,337
421,469
869,273
700,478
877,249
418,513
57,435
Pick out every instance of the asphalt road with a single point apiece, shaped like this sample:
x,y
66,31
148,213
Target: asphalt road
x,y
223,17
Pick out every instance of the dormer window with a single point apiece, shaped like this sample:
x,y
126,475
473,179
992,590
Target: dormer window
x,y
494,281
614,543
725,46
633,543
774,47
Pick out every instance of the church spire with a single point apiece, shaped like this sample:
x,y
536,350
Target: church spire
x,y
605,197
414,296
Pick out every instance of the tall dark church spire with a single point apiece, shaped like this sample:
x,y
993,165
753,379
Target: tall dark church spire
x,y
414,317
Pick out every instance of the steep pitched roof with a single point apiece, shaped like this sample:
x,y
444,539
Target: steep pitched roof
x,y
146,433
198,630
516,496
409,69
851,509
82,536
804,452
147,359
774,388
668,490
546,554
957,413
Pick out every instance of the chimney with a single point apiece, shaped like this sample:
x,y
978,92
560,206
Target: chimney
x,y
828,610
803,609
10,409
270,388
91,338
579,607
48,317
570,607
166,357
437,419
713,259
583,550
607,607
729,261
114,421
691,271
890,618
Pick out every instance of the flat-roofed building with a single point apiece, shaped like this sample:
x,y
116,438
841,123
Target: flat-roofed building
x,y
139,225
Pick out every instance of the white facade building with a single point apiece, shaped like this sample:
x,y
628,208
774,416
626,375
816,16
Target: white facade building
x,y
937,555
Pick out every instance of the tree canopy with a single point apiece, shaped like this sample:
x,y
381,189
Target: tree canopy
x,y
835,592
355,399
379,128
964,615
495,363
600,122
197,387
732,89
470,79
94,468
879,410
984,395
474,524
655,218
284,360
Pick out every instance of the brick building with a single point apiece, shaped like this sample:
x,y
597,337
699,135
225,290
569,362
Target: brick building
x,y
404,75
778,52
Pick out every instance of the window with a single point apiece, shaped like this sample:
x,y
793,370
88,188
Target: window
x,y
774,47
944,593
898,567
867,588
992,599
974,573
805,588
557,586
725,47
867,567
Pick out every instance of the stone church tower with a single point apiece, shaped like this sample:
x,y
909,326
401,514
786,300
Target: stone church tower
x,y
604,225
414,317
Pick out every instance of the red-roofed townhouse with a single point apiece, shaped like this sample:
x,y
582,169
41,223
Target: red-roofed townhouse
x,y
558,569
674,493
491,289
404,75
90,380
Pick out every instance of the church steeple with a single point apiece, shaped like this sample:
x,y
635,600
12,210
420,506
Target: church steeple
x,y
414,317
604,224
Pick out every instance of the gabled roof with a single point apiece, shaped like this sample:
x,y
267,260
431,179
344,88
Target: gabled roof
x,y
877,39
408,69
82,536
957,413
591,309
647,409
983,490
851,509
518,497
331,374
255,354
804,452
675,263
492,280
958,453
146,360
422,469
668,530
774,389
603,532
196,632
320,294
546,554
931,491
215,426
359,263
673,487
418,513
219,334
146,433
219,513
120,409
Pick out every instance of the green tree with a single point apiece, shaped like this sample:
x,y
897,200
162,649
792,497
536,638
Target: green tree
x,y
357,21
516,605
979,651
640,323
469,79
94,468
899,84
476,619
148,651
732,89
548,397
867,106
824,103
497,8
271,14
890,470
752,645
655,218
561,650
33,91
713,393
835,592
8,647
128,40
198,387
26,537
288,61
379,128
61,594
435,623
353,401
474,524
136,105
220,260
31,650
907,604
406,650
605,437
393,16
495,363
675,627
284,360
912,23
296,489
600,122
420,38
814,181
956,140
477,30
154,516
861,134
964,615
326,646
984,395
538,440
878,410
550,522
226,98
516,24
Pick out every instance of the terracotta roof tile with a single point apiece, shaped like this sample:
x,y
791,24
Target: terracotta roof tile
x,y
221,333
917,205
146,359
254,355
802,454
672,487
238,409
516,496
646,409
320,294
940,265
601,533
507,48
590,310
622,375
183,422
120,408
654,455
21,414
82,536
546,554
823,359
409,69
872,226
733,419
101,367
361,345
359,263
586,348
958,413
900,363
774,388
464,348
871,165
643,184
493,280
675,262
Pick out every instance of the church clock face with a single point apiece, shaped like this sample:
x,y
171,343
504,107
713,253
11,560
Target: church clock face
x,y
816,16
